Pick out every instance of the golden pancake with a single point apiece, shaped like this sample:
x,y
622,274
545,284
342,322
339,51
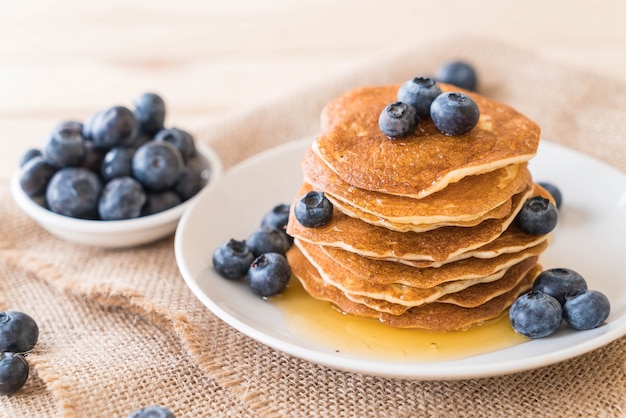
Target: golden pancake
x,y
470,199
381,272
353,146
434,316
377,242
351,284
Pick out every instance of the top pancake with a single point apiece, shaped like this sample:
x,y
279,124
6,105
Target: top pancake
x,y
426,161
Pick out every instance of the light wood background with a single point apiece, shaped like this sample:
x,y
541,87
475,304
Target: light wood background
x,y
65,59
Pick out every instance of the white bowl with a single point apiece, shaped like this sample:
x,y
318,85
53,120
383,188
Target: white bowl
x,y
113,234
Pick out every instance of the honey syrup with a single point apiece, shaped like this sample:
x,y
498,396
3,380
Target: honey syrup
x,y
319,322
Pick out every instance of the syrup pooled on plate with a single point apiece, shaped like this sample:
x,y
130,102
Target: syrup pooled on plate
x,y
318,322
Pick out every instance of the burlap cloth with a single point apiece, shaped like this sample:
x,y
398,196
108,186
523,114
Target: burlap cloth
x,y
120,329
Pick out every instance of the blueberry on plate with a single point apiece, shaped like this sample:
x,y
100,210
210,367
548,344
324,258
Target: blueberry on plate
x,y
554,191
113,127
278,218
35,175
117,162
64,147
561,283
459,73
398,120
269,274
14,372
150,113
18,332
74,191
454,113
313,210
182,140
587,310
157,165
538,216
160,201
536,314
420,93
122,198
153,411
267,239
232,259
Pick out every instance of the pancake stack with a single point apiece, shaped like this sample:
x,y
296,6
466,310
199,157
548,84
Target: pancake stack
x,y
423,233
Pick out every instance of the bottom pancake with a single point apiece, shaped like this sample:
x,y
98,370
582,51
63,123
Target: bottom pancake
x,y
433,316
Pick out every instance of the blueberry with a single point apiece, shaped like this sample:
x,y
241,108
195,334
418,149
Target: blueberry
x,y
35,175
122,198
88,126
398,120
232,259
64,146
554,191
536,314
313,210
113,127
150,113
18,332
157,165
561,283
152,411
29,155
180,139
538,216
117,162
93,157
420,93
269,274
194,177
160,201
454,113
267,240
14,372
278,218
459,73
587,310
74,191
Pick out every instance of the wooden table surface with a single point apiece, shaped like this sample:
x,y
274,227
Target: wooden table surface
x,y
65,59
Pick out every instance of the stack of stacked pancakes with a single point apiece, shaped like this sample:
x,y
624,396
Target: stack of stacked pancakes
x,y
422,233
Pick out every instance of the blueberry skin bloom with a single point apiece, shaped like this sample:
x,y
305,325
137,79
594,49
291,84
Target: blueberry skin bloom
x,y
160,201
182,140
538,216
14,372
232,259
459,73
74,191
587,310
269,274
35,175
561,283
278,218
150,113
157,165
398,120
113,127
122,198
454,113
195,175
313,210
153,411
64,147
18,332
29,155
420,93
117,162
536,315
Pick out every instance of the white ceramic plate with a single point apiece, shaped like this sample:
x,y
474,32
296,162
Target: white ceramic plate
x,y
590,236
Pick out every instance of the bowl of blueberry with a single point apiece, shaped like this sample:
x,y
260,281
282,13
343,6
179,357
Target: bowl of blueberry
x,y
120,179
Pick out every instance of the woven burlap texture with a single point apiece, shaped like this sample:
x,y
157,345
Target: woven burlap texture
x,y
120,329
